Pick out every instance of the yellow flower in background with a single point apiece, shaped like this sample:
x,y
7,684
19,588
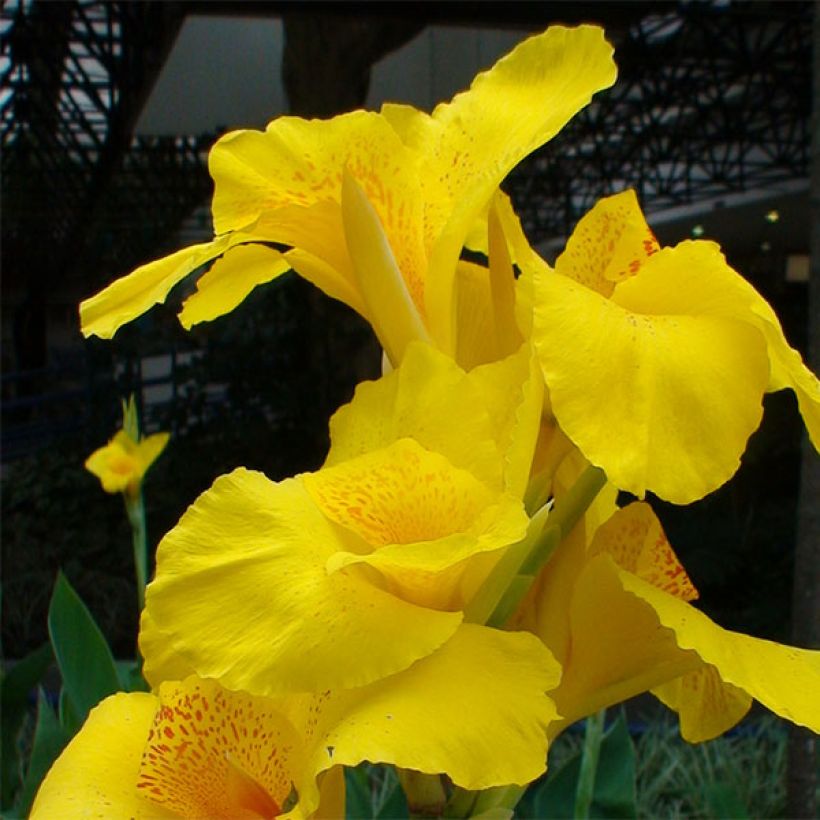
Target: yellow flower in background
x,y
376,208
656,360
356,576
122,463
613,607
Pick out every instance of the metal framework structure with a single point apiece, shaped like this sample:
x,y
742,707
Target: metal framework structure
x,y
78,189
712,98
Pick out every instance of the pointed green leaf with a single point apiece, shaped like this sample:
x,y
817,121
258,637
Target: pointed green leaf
x,y
358,799
615,793
615,790
67,715
85,661
15,685
49,740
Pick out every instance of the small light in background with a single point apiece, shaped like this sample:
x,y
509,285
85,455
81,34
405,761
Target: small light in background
x,y
772,216
797,267
697,231
765,246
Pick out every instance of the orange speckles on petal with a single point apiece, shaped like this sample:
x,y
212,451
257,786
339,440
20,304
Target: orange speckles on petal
x,y
400,495
222,774
635,540
609,244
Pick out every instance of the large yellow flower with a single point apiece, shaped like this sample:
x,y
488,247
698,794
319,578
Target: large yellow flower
x,y
196,750
613,607
374,208
356,576
656,360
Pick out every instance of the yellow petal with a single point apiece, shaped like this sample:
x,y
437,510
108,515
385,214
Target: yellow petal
x,y
517,106
485,301
654,387
394,315
707,706
96,774
783,678
616,648
476,341
220,754
610,243
513,392
331,795
161,661
229,281
131,296
635,540
546,609
727,294
429,399
452,712
115,466
149,450
419,519
327,278
400,495
242,592
298,162
502,285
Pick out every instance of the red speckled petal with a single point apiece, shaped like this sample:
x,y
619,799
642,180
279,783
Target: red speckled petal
x,y
634,538
609,244
212,753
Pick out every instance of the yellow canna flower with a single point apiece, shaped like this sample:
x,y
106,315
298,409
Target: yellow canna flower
x,y
656,360
375,208
121,464
356,576
194,750
613,607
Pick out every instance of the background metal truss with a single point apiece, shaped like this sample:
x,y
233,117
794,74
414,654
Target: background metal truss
x,y
712,98
78,189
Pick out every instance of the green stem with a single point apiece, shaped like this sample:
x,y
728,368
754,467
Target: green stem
x,y
424,792
564,515
461,803
135,508
589,764
501,797
495,586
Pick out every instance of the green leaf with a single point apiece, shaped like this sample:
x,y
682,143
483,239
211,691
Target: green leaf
x,y
389,801
615,790
15,686
67,715
358,799
49,740
130,676
615,793
85,661
724,801
373,792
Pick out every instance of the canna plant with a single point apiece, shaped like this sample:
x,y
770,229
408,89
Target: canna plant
x,y
457,583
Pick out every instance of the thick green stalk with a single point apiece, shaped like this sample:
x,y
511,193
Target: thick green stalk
x,y
495,802
564,515
495,586
461,803
589,764
135,508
